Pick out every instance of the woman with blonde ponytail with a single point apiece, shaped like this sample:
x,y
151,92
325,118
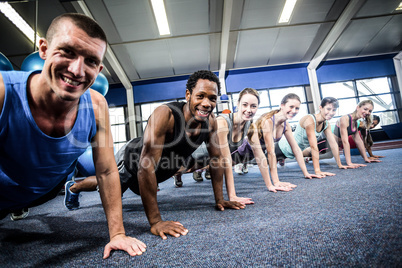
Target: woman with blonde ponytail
x,y
347,125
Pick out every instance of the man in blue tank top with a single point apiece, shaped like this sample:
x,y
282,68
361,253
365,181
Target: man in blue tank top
x,y
48,118
173,133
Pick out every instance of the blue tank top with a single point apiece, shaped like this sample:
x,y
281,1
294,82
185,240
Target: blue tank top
x,y
31,162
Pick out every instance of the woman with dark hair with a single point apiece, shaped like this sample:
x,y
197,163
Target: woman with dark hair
x,y
308,131
264,135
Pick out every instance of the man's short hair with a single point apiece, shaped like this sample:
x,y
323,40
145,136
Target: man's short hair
x,y
202,74
85,23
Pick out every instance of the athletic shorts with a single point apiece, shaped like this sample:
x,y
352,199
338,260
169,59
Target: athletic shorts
x,y
322,145
127,180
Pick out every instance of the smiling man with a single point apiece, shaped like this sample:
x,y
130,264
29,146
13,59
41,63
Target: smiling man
x,y
48,119
174,131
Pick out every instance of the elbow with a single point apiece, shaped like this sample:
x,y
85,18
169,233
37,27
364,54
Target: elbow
x,y
271,154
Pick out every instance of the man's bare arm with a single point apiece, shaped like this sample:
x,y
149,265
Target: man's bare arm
x,y
109,183
217,168
159,124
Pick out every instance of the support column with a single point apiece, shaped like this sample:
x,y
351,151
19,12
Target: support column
x,y
131,113
315,89
398,70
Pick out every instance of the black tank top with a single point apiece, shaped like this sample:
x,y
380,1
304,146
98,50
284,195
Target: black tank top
x,y
233,146
175,153
351,131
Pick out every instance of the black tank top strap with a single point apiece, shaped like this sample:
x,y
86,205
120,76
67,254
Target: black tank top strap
x,y
273,127
351,130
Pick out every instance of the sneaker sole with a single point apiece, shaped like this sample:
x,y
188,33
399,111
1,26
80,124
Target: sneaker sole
x,y
65,198
20,217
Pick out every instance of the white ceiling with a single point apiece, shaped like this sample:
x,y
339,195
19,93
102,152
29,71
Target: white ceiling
x,y
200,40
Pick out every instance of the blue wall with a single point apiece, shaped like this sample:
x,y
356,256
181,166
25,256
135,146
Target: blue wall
x,y
267,77
165,90
348,70
260,78
116,96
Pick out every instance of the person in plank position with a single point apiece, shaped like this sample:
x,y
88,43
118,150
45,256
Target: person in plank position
x,y
174,131
48,119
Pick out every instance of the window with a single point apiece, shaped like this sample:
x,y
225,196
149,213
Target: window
x,y
338,90
276,95
148,108
350,93
270,99
118,126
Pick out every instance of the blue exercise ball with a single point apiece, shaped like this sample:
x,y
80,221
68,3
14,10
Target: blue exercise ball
x,y
85,163
101,84
5,64
224,98
33,62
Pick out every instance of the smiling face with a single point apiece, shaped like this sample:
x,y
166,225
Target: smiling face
x,y
291,108
202,100
328,111
374,124
364,110
248,106
72,61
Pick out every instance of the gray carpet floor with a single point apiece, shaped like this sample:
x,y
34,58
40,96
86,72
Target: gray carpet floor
x,y
350,220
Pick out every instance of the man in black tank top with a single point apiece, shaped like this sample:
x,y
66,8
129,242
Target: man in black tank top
x,y
173,132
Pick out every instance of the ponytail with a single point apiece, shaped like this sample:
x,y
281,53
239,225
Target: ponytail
x,y
259,123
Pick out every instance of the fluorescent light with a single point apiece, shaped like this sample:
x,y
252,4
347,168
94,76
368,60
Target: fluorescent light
x,y
287,11
18,21
161,17
399,7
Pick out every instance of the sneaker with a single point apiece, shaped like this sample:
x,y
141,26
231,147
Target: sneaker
x,y
207,174
239,169
158,188
19,214
177,181
244,169
197,176
281,162
71,199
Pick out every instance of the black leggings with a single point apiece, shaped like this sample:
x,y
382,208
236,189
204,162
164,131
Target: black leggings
x,y
41,200
278,152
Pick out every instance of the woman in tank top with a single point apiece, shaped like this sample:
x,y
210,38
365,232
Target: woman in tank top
x,y
313,126
347,125
266,132
364,132
231,137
